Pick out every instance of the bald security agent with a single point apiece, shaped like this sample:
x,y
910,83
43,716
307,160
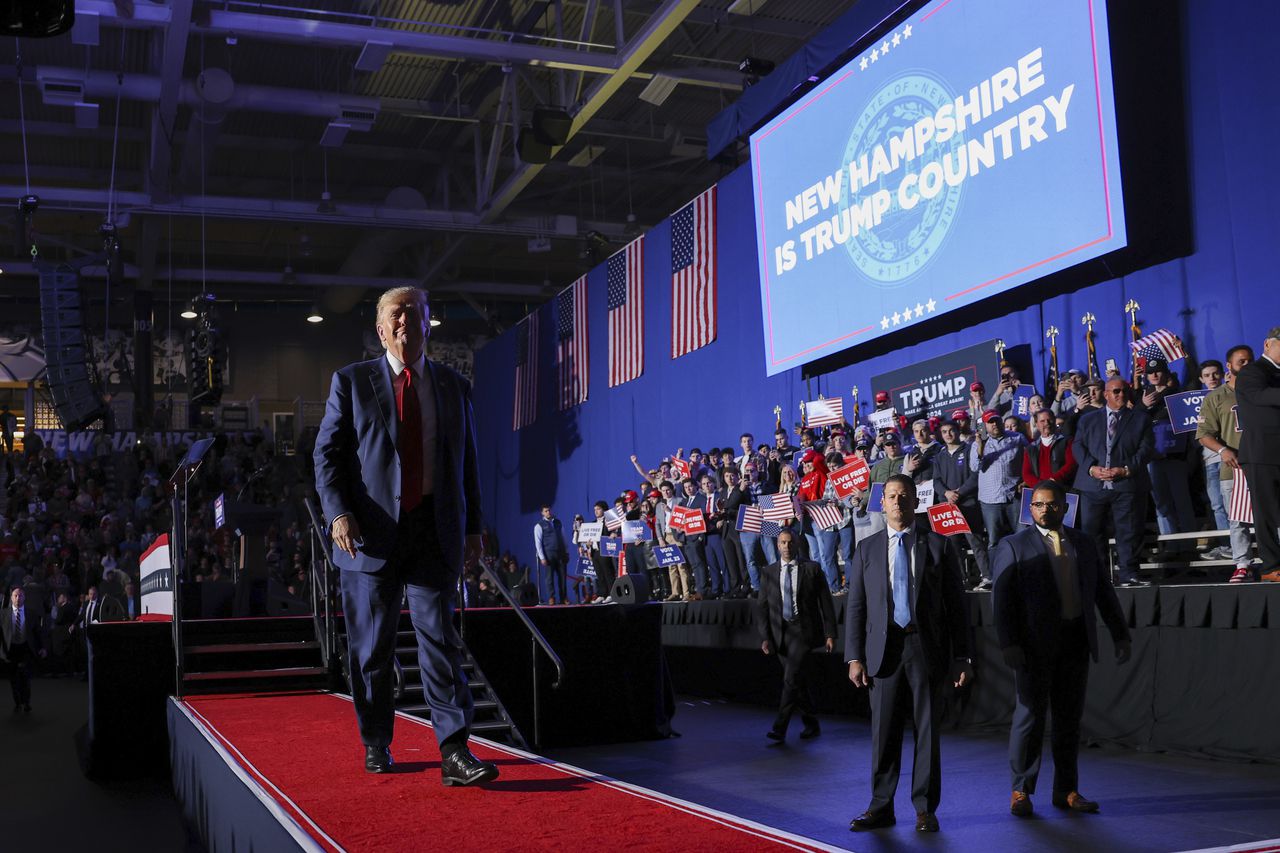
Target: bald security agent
x,y
906,637
397,473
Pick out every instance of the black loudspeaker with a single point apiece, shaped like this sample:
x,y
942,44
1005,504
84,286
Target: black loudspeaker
x,y
551,127
75,397
205,356
532,149
37,18
630,589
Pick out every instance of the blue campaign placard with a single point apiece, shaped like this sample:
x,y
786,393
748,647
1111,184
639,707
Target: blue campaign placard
x,y
635,531
610,547
875,498
1073,508
668,555
1020,405
929,173
1184,410
586,568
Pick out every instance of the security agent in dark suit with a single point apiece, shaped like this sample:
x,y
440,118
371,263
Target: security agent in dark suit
x,y
1113,446
1048,580
795,616
19,644
906,635
397,473
1258,407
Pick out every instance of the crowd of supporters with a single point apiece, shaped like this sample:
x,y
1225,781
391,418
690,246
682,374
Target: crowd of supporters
x,y
980,456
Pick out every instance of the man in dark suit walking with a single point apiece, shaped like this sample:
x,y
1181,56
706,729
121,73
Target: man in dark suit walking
x,y
906,634
20,644
1113,446
1048,580
398,479
795,615
1258,399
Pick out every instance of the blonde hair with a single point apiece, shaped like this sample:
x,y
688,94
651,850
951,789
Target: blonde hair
x,y
404,290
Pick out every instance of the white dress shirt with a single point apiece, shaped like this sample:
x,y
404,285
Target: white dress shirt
x,y
427,405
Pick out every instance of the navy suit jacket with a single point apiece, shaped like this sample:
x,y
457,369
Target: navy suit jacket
x,y
1026,601
31,636
358,468
813,600
1133,446
1258,399
938,607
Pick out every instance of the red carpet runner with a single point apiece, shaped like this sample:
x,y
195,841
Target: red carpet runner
x,y
303,751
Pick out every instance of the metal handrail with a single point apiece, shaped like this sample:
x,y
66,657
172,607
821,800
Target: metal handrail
x,y
528,623
322,615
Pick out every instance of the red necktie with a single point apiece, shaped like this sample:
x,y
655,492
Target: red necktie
x,y
410,443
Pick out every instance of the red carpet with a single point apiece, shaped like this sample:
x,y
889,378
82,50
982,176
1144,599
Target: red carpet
x,y
303,750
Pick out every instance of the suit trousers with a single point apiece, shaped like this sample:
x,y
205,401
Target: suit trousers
x,y
795,657
905,690
606,573
553,573
371,604
1264,493
20,674
1129,516
735,561
1054,683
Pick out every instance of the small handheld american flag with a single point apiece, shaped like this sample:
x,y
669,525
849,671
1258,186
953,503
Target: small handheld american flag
x,y
1241,509
751,520
613,519
824,513
1162,344
780,508
825,412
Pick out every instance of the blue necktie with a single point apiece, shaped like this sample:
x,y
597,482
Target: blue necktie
x,y
788,602
901,582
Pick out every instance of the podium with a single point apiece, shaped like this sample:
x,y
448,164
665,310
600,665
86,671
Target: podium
x,y
250,523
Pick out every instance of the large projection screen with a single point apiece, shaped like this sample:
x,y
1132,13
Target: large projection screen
x,y
971,150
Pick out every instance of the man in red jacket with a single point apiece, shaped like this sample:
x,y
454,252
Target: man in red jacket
x,y
1049,457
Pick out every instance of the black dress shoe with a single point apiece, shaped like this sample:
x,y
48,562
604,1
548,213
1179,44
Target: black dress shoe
x,y
926,822
811,731
872,820
377,759
460,767
776,734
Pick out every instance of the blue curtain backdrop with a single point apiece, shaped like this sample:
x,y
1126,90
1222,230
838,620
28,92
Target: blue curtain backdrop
x,y
1224,292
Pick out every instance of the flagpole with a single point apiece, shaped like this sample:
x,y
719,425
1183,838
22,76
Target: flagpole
x,y
777,418
857,410
1087,321
1052,334
1000,362
1131,308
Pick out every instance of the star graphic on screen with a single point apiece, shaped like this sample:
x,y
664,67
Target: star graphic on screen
x,y
931,304
875,54
906,31
907,313
884,48
884,322
919,310
863,64
896,317
897,39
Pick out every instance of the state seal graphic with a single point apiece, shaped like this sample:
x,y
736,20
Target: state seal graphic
x,y
906,240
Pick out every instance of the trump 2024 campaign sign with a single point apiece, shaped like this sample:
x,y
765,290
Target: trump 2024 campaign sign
x,y
970,150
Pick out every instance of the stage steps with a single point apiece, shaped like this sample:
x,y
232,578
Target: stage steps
x,y
251,655
491,719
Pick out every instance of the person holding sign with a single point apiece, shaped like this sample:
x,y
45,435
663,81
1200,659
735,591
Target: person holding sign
x,y
906,636
1049,580
1219,433
795,615
956,482
1170,474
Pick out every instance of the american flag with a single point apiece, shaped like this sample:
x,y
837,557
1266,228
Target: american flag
x,y
751,520
571,343
780,507
1162,344
824,412
693,275
824,513
526,400
1241,508
613,520
625,273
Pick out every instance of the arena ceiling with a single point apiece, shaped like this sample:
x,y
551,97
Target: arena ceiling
x,y
284,152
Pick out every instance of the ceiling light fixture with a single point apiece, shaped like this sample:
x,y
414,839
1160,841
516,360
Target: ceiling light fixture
x,y
314,315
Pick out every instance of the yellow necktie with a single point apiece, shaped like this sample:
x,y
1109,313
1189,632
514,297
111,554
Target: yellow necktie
x,y
1055,541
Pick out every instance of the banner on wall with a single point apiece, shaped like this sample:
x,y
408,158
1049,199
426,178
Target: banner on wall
x,y
80,444
938,385
155,581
